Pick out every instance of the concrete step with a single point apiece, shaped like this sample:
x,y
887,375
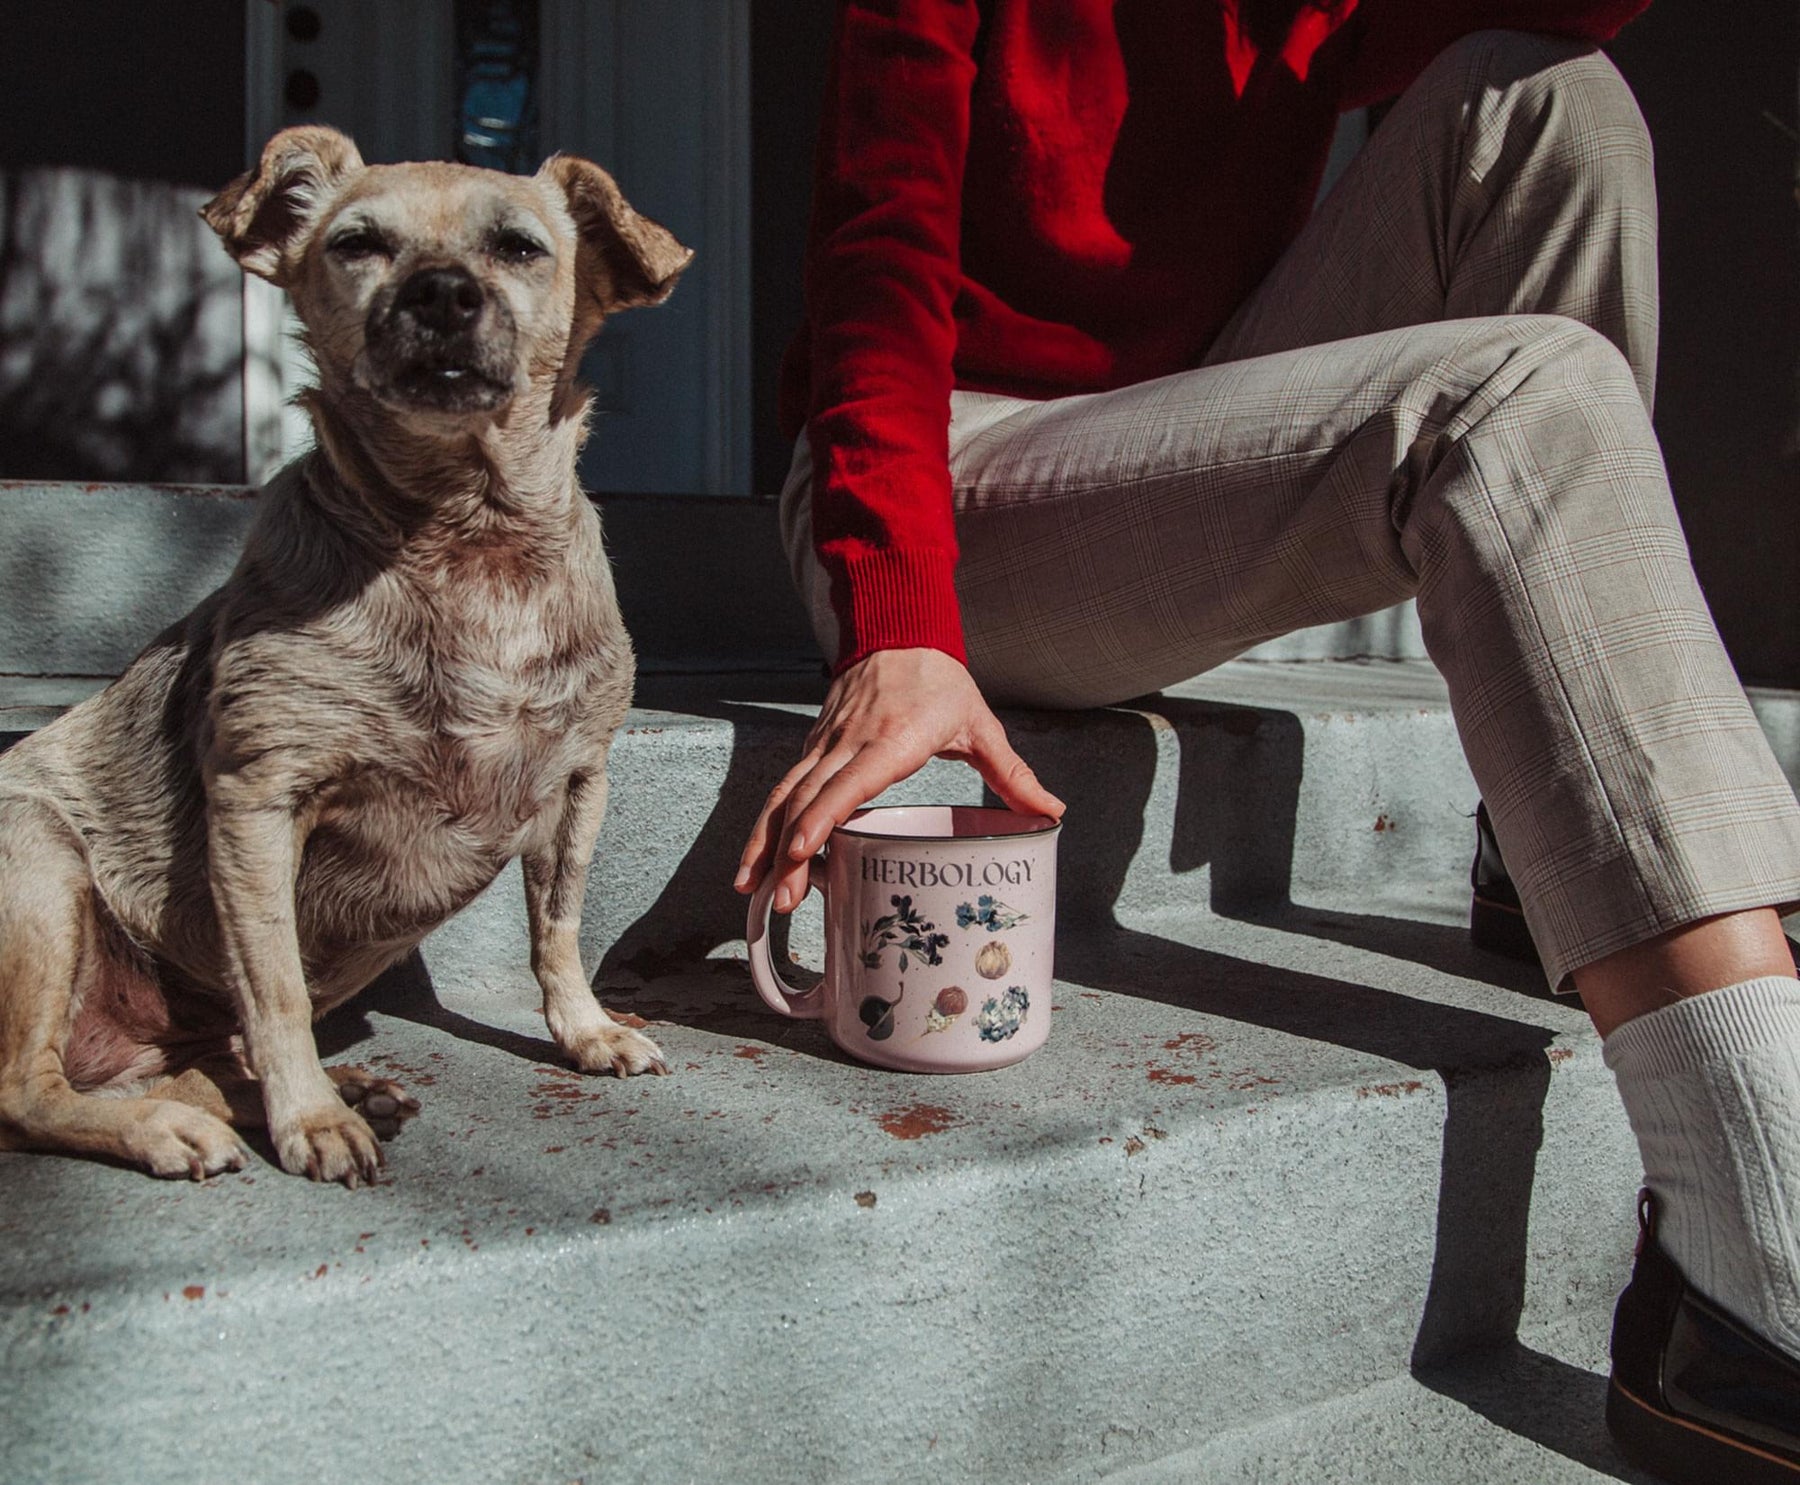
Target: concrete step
x,y
1302,1188
1528,1411
1293,1148
1255,1169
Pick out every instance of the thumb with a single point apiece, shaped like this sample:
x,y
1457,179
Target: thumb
x,y
1010,776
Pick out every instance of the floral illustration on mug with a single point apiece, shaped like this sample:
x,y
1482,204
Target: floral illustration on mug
x,y
878,1014
993,960
951,1002
1002,1016
989,913
905,930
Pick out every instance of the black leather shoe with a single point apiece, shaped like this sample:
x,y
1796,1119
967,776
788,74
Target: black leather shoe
x,y
1695,1398
1496,922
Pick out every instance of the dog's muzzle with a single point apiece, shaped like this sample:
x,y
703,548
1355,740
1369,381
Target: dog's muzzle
x,y
441,301
442,342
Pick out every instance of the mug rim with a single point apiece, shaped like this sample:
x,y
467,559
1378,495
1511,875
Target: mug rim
x,y
1048,828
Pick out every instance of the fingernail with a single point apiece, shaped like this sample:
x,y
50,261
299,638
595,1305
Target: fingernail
x,y
782,898
797,848
742,877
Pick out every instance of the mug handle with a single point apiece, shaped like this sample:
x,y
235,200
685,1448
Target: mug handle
x,y
807,1006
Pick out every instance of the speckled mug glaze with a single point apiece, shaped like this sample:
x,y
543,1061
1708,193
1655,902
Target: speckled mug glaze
x,y
939,937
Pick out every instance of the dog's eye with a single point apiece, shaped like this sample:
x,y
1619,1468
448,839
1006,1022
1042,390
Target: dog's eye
x,y
359,242
517,247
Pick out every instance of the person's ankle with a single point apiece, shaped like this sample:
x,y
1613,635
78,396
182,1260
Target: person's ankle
x,y
1712,1086
1695,959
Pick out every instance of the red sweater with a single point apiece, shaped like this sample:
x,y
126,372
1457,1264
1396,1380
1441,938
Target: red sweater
x,y
1045,197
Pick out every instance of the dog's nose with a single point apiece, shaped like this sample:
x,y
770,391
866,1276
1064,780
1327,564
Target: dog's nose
x,y
442,299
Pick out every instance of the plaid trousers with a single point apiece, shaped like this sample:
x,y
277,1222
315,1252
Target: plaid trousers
x,y
1441,391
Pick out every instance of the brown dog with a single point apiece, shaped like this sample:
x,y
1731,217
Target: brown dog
x,y
412,676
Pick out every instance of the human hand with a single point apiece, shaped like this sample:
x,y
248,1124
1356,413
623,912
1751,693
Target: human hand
x,y
884,718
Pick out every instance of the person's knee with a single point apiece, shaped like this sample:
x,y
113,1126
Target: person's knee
x,y
1567,88
1541,392
1560,388
1578,352
1506,362
1529,59
1559,421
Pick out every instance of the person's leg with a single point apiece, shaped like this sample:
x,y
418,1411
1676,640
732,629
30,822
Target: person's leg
x,y
1516,176
1662,971
1513,178
1503,469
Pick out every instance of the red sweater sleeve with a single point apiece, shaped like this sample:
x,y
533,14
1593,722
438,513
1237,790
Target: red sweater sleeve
x,y
882,277
1399,37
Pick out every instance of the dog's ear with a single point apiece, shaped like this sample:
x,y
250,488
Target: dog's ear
x,y
268,210
626,259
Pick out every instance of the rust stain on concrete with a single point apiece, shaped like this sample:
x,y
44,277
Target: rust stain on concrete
x,y
915,1121
1390,1090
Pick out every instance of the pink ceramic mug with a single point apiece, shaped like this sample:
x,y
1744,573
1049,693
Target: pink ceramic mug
x,y
939,935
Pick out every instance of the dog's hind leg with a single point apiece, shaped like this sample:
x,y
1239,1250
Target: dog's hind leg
x,y
51,952
383,1102
555,881
222,1086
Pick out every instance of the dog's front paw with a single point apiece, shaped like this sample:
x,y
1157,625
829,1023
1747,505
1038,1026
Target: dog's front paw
x,y
615,1049
173,1140
329,1143
382,1102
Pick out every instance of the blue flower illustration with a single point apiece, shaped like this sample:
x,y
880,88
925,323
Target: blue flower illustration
x,y
990,913
1002,1016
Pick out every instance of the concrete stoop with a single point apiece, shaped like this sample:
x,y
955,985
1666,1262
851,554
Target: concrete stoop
x,y
1522,1414
1295,1169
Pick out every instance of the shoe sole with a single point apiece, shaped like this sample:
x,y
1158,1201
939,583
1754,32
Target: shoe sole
x,y
1500,928
1683,1452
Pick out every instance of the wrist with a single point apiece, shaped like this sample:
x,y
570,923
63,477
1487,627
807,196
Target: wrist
x,y
896,599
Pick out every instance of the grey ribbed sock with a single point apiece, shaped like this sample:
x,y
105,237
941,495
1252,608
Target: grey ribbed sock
x,y
1712,1087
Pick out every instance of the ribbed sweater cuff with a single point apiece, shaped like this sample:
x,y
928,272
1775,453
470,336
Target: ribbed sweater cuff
x,y
896,599
1710,1028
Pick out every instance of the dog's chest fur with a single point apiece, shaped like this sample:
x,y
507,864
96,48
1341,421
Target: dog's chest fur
x,y
484,711
510,708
